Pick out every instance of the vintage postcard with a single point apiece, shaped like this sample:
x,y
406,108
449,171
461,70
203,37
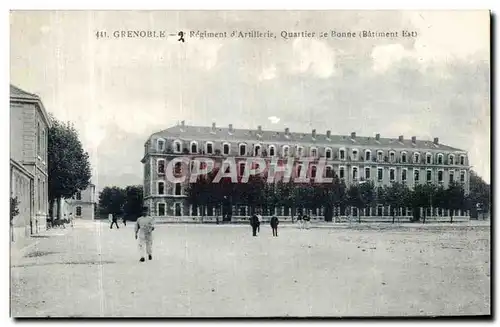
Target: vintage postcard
x,y
251,164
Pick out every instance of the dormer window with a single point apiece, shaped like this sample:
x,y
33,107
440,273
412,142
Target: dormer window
x,y
451,159
354,173
328,153
440,159
272,150
194,147
416,157
299,151
225,148
314,152
368,155
392,174
177,146
256,150
355,154
160,145
209,148
243,149
428,158
462,160
342,154
392,156
286,150
403,157
380,155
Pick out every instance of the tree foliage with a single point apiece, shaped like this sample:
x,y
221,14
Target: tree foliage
x,y
112,200
133,204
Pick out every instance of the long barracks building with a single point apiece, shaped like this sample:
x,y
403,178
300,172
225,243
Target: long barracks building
x,y
351,157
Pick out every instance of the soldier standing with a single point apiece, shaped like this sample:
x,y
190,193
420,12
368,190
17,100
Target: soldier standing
x,y
274,225
254,222
145,227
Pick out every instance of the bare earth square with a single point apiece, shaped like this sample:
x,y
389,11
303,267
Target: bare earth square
x,y
222,271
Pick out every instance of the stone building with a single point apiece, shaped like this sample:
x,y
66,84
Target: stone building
x,y
80,206
353,158
29,125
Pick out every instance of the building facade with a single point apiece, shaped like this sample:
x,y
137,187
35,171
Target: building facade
x,y
29,126
353,158
82,204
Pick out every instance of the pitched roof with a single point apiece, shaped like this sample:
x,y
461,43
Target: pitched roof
x,y
205,133
16,92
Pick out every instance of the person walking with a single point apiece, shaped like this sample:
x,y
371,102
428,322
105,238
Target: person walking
x,y
124,220
299,221
259,217
254,222
144,228
114,220
274,225
307,221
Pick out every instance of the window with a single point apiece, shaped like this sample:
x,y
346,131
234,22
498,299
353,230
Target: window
x,y
403,157
392,156
225,148
368,155
416,157
178,209
451,159
440,159
272,151
242,168
429,175
78,195
341,172
328,153
210,148
380,174
462,176
161,188
161,209
243,149
299,169
38,139
380,155
452,176
256,150
403,175
177,147
160,145
299,151
392,174
367,172
354,173
42,151
285,150
313,171
194,147
342,154
178,189
416,175
462,160
178,168
440,176
428,158
354,154
161,166
78,211
329,172
314,152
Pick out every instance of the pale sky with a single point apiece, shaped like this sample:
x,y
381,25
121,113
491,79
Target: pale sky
x,y
119,91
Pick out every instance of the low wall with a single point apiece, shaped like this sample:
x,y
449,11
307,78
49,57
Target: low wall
x,y
288,219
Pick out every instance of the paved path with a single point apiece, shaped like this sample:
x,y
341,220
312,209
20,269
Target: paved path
x,y
218,271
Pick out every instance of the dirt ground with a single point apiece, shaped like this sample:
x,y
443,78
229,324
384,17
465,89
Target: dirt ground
x,y
222,271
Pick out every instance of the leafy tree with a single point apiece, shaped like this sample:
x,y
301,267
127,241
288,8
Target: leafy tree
x,y
112,200
423,196
480,192
397,196
69,167
361,196
454,198
134,198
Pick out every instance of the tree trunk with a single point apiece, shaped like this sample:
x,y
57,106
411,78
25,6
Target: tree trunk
x,y
58,208
359,216
451,216
51,208
425,214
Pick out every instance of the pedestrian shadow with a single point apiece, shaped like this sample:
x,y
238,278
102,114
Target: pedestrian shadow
x,y
67,263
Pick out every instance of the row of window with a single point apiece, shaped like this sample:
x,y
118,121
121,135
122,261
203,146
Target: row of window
x,y
314,151
162,191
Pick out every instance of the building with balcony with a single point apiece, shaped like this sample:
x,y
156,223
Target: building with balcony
x,y
29,125
351,157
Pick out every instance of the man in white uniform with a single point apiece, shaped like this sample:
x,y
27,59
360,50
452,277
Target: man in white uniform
x,y
145,227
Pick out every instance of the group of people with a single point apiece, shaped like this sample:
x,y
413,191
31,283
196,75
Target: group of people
x,y
304,221
114,221
256,220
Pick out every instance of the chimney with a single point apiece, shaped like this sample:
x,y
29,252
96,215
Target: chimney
x,y
213,127
259,129
353,135
287,131
413,139
377,137
436,140
328,134
183,123
230,128
401,138
314,133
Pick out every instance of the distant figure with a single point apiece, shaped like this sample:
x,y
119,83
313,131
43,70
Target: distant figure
x,y
71,219
114,220
145,227
274,225
260,221
254,222
307,221
124,220
299,221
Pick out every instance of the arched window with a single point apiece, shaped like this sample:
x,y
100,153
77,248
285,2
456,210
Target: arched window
x,y
440,158
272,151
355,154
299,150
329,171
78,211
428,158
368,155
342,154
404,158
380,155
328,153
161,188
226,148
177,146
243,149
209,148
451,159
313,152
286,150
462,160
416,157
392,156
256,150
194,147
160,144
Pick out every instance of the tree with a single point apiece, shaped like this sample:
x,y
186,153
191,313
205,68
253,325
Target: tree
x,y
361,196
68,164
423,196
397,196
112,200
454,198
480,193
14,211
132,207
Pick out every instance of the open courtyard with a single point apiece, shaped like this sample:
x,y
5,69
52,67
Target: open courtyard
x,y
222,271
